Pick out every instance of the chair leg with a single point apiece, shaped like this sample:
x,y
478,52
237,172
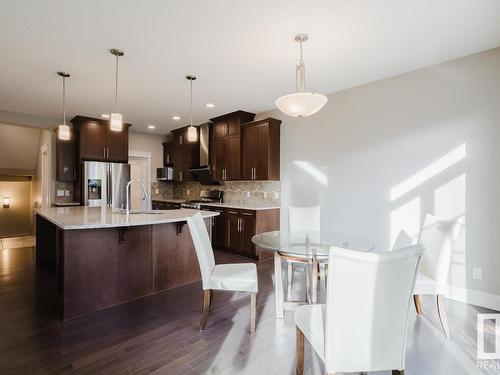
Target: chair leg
x,y
253,311
418,304
299,369
442,314
289,276
398,372
206,307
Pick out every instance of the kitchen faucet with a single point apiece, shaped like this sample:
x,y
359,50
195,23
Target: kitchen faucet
x,y
146,195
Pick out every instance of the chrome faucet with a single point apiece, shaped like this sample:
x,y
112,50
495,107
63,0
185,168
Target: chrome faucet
x,y
146,195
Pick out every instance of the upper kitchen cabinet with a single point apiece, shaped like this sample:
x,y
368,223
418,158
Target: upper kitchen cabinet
x,y
66,158
260,153
96,141
167,153
185,154
226,141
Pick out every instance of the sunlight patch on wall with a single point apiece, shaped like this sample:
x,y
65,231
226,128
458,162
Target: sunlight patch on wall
x,y
407,218
312,171
438,166
449,202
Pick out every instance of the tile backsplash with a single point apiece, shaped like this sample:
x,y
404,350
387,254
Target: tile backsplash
x,y
162,190
255,192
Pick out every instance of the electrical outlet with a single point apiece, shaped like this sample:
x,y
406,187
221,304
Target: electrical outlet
x,y
265,194
60,193
67,193
187,191
276,195
247,194
157,191
477,273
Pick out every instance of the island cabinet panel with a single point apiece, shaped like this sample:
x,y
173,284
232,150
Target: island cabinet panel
x,y
105,267
174,257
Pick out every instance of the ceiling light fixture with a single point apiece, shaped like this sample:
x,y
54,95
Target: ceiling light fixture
x,y
301,103
116,122
63,131
176,118
105,115
192,131
151,127
210,105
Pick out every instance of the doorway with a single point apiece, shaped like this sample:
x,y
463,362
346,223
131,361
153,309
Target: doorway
x,y
140,168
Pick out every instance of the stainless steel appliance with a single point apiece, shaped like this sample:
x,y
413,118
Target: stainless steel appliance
x,y
105,184
202,171
206,196
165,173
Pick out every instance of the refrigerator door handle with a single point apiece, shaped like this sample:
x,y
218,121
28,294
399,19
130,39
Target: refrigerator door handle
x,y
109,185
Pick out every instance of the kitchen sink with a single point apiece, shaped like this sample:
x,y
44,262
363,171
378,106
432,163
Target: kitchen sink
x,y
140,212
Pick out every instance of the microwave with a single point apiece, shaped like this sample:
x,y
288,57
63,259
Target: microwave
x,y
165,174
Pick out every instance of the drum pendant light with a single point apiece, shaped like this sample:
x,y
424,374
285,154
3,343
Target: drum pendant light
x,y
116,119
63,131
192,134
301,103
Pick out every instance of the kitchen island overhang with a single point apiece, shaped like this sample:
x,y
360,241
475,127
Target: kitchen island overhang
x,y
102,258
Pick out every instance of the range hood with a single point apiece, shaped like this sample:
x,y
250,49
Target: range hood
x,y
202,172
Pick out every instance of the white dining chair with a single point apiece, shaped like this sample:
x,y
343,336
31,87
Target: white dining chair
x,y
363,325
402,240
303,219
438,235
236,277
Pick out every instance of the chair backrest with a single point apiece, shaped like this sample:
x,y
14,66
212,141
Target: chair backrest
x,y
438,236
203,247
304,218
367,305
402,240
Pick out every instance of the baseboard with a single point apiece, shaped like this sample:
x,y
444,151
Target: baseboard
x,y
474,297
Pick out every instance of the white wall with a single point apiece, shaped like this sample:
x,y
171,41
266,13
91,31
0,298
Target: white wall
x,y
440,125
148,143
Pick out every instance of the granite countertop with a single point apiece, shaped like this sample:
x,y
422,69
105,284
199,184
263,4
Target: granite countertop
x,y
240,206
84,217
244,206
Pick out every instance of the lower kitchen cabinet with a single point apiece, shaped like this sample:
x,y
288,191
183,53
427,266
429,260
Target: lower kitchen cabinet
x,y
233,230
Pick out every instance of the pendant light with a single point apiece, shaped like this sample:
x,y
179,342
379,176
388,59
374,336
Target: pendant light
x,y
116,119
301,103
63,131
192,134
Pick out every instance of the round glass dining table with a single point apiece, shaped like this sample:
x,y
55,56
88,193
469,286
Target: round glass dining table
x,y
309,248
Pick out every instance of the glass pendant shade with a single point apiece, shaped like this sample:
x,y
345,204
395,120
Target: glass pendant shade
x,y
116,122
192,134
301,104
63,132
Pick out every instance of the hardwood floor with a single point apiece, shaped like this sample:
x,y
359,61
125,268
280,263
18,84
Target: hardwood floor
x,y
159,334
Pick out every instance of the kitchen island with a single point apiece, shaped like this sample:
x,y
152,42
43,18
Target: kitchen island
x,y
102,258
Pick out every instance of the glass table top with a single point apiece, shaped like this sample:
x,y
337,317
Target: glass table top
x,y
309,243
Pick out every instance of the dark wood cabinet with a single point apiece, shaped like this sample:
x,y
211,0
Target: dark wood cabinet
x,y
167,153
233,229
184,154
226,145
261,150
66,158
96,141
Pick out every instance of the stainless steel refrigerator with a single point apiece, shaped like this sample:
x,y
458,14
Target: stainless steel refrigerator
x,y
105,184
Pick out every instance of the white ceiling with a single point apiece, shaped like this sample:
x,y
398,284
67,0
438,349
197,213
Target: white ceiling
x,y
242,51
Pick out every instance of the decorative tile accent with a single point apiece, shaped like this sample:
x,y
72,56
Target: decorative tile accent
x,y
250,192
165,190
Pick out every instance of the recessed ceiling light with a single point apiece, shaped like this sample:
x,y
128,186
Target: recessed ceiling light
x,y
105,115
151,127
176,117
210,105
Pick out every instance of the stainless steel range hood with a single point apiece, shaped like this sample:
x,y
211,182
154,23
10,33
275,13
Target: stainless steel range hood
x,y
202,172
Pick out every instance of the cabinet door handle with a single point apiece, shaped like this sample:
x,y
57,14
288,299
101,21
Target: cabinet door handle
x,y
180,176
107,152
246,214
104,152
239,225
232,212
253,173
